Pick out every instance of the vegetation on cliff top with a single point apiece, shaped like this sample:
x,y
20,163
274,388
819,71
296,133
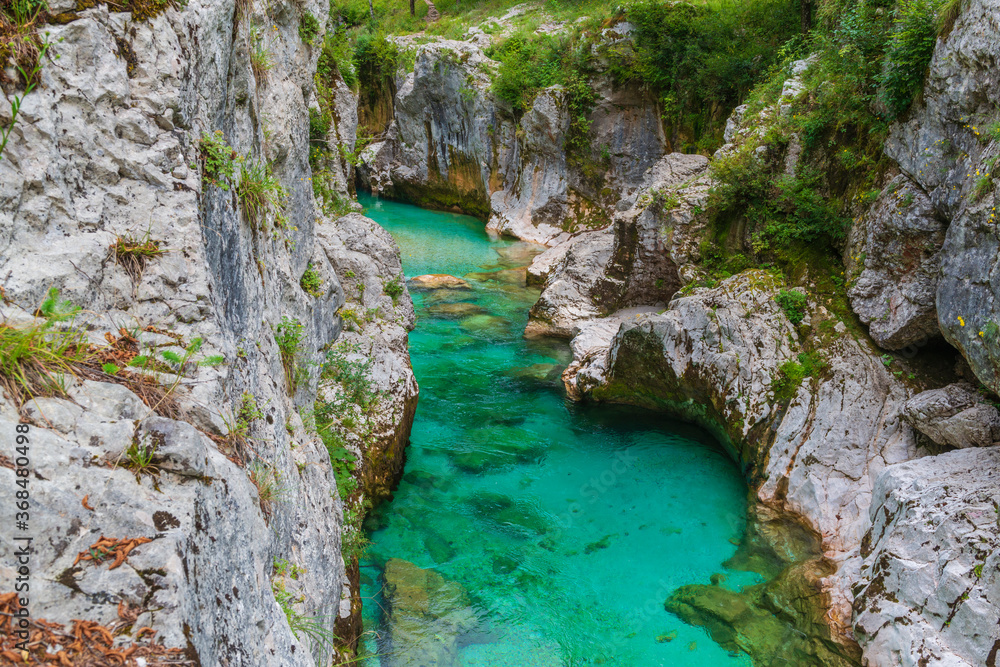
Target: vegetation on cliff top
x,y
868,61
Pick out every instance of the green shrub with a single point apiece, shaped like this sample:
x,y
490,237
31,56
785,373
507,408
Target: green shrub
x,y
319,126
792,372
337,56
308,28
793,303
376,61
703,59
912,43
528,63
311,282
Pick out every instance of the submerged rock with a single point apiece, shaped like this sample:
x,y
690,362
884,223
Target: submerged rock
x,y
742,621
538,372
519,254
484,323
425,615
438,281
455,310
505,276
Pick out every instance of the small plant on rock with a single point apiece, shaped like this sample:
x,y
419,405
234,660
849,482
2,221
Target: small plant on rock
x,y
794,305
132,253
19,41
260,192
394,288
269,487
288,335
308,28
261,60
218,160
139,458
301,625
311,282
34,360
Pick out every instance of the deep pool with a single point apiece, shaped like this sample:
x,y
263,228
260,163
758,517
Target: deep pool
x,y
567,526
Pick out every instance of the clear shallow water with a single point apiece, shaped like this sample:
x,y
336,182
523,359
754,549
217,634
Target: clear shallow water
x,y
566,525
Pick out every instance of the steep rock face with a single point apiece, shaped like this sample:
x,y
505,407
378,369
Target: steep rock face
x,y
813,450
453,145
941,148
107,148
894,251
931,571
366,259
443,153
642,259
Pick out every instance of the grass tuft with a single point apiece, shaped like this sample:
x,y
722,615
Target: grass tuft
x,y
133,253
35,360
261,60
261,193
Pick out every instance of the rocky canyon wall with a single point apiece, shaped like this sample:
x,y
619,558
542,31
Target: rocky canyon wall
x,y
202,463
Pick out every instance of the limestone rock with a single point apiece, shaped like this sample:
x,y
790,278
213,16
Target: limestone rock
x,y
453,145
635,262
954,416
893,252
932,562
714,357
941,147
108,147
365,258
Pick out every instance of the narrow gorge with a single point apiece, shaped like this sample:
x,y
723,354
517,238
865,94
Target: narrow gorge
x,y
700,298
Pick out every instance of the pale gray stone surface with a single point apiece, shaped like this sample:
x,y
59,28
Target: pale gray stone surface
x,y
105,149
893,259
954,416
931,573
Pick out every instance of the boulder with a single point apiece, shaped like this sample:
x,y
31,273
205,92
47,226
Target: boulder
x,y
438,281
942,146
954,416
893,262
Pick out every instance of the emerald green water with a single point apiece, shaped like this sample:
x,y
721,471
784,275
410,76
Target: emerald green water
x,y
566,525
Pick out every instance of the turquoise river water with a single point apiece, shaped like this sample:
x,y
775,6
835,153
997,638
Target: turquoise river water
x,y
567,526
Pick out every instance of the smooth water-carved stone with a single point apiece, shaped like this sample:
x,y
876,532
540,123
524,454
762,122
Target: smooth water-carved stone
x,y
438,281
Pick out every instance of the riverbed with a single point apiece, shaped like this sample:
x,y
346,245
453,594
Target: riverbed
x,y
529,530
